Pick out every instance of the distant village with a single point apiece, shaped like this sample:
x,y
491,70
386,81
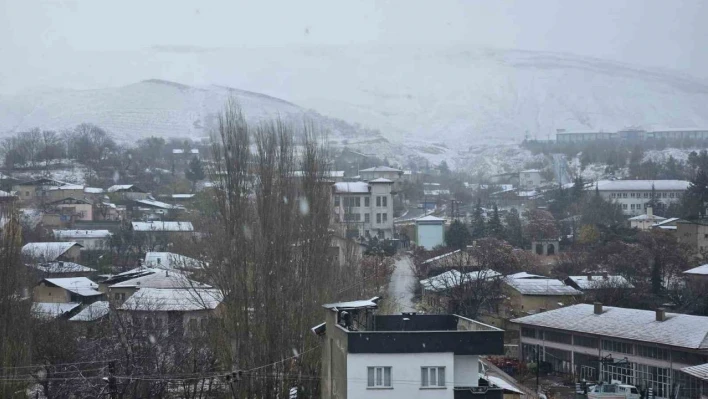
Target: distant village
x,y
176,269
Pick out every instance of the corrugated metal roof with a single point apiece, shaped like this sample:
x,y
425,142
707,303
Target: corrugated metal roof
x,y
699,371
92,312
679,330
360,304
700,270
182,300
78,285
453,278
47,251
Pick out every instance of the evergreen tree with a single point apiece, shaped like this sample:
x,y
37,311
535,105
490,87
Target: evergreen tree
x,y
694,201
478,229
195,172
635,162
457,236
514,229
494,226
578,189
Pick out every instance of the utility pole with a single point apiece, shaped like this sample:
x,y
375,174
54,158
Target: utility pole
x,y
112,386
538,367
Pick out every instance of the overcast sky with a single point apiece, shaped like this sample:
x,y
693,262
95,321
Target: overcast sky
x,y
40,40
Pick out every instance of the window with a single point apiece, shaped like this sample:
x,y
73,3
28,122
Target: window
x,y
624,206
385,201
557,337
671,195
367,218
632,195
616,346
664,195
378,201
367,201
646,195
588,342
26,193
432,376
336,200
652,352
624,195
384,217
612,195
378,218
528,332
632,206
379,377
357,201
119,296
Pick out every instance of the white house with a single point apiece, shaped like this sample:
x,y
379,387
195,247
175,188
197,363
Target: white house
x,y
89,239
403,356
645,221
429,232
633,195
364,209
530,179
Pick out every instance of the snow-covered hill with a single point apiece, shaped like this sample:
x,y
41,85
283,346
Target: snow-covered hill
x,y
155,107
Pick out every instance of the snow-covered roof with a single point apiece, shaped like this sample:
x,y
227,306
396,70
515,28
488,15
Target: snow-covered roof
x,y
62,267
330,173
524,275
178,151
443,256
78,285
358,187
194,151
47,251
121,187
700,270
163,226
381,180
430,218
598,282
160,278
380,169
640,185
680,330
648,217
663,223
67,234
503,384
541,286
530,171
92,312
361,304
50,310
169,260
182,196
157,204
94,190
699,371
180,300
453,278
67,187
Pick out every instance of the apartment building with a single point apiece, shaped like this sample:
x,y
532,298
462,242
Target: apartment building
x,y
634,195
364,209
640,347
403,356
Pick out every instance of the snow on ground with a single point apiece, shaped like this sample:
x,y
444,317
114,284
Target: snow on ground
x,y
661,156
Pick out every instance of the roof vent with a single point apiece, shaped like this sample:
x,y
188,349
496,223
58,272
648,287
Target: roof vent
x,y
660,314
598,308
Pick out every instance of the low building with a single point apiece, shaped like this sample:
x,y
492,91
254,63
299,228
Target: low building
x,y
35,190
65,290
697,276
127,192
530,179
76,209
648,349
589,282
529,295
52,251
121,287
670,225
429,232
693,233
634,195
90,240
57,193
60,269
645,221
403,356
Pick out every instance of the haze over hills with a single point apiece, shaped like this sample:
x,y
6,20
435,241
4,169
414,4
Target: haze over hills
x,y
432,103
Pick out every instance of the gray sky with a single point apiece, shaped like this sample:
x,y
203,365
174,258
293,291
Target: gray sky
x,y
41,41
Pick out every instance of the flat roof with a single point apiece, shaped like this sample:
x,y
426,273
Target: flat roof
x,y
640,185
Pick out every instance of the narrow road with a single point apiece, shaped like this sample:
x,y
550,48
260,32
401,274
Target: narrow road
x,y
400,288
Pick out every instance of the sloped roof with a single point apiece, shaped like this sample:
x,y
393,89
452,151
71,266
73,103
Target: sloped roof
x,y
169,260
453,278
443,256
184,300
598,282
92,312
163,226
351,187
159,278
78,285
667,221
380,169
699,371
158,204
94,190
700,270
49,251
123,187
360,304
640,185
647,217
430,218
381,180
64,234
541,286
50,310
679,330
67,187
62,267
525,275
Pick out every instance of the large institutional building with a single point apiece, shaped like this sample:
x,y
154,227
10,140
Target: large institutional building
x,y
634,195
677,134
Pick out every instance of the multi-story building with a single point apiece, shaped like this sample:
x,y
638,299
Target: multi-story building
x,y
632,134
364,209
644,348
403,356
634,195
693,233
530,179
381,172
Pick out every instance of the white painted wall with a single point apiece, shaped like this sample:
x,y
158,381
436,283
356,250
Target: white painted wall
x,y
405,375
466,370
430,236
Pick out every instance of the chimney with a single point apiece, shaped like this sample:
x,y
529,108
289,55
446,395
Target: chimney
x,y
61,264
660,314
650,211
589,276
598,308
